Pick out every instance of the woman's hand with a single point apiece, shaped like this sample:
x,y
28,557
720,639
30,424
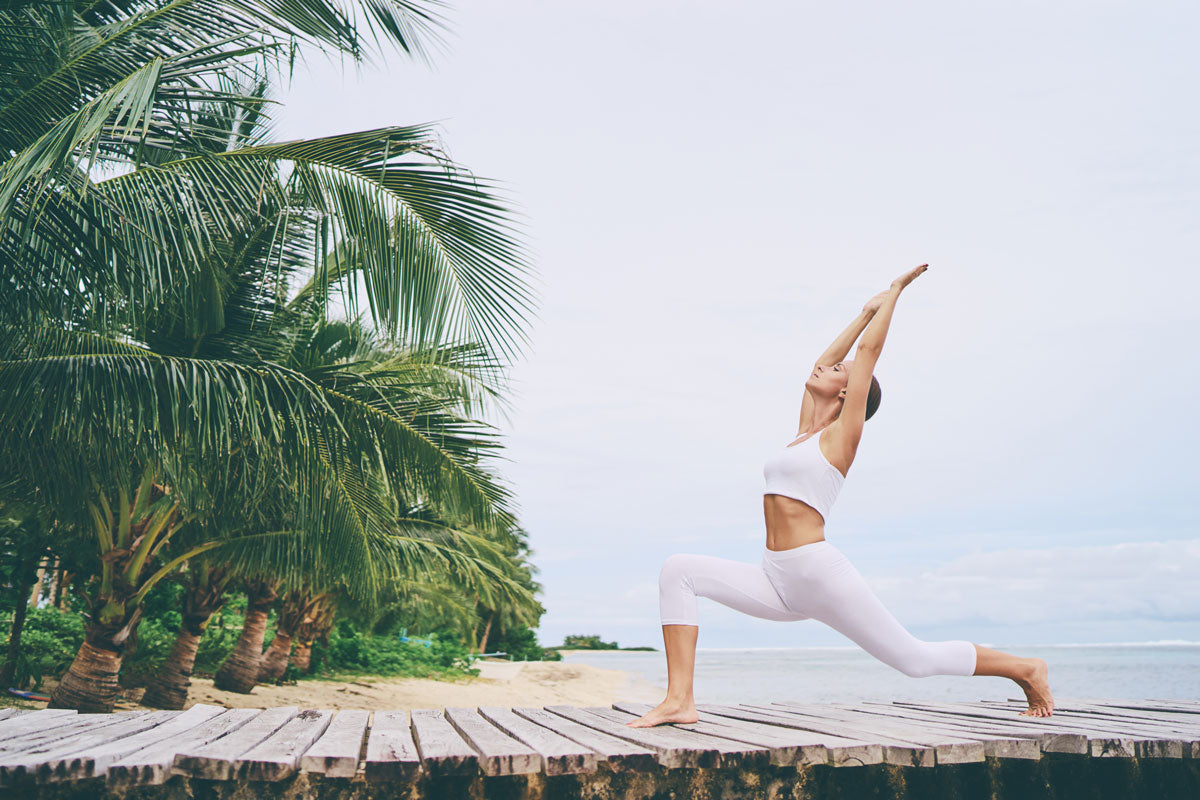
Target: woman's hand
x,y
874,303
909,277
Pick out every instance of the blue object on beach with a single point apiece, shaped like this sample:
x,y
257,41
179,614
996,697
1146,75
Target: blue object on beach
x,y
404,637
27,695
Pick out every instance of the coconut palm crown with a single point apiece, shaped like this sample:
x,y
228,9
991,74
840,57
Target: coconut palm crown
x,y
149,236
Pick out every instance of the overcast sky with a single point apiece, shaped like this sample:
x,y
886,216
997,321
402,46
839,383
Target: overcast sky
x,y
712,191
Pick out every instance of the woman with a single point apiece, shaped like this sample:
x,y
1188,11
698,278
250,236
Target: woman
x,y
802,576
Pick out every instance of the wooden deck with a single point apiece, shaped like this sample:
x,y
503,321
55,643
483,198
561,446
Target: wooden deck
x,y
143,748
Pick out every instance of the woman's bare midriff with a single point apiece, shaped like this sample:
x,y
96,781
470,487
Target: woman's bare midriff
x,y
791,523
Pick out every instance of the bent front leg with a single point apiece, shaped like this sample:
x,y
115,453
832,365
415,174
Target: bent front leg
x,y
741,586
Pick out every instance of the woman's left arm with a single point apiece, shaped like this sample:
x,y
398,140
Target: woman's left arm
x,y
845,340
837,351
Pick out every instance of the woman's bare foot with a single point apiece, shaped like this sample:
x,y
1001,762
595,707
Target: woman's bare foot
x,y
1036,685
667,711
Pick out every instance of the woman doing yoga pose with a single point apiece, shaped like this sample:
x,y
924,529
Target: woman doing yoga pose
x,y
801,575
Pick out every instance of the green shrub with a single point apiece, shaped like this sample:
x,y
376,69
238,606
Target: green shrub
x,y
349,650
521,645
155,638
49,642
219,639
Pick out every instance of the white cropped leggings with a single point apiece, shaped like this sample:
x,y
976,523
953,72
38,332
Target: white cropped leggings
x,y
813,581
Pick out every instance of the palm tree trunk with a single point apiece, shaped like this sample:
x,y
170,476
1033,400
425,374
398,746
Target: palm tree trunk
x,y
275,660
239,673
487,630
90,685
23,577
169,686
302,656
36,595
205,593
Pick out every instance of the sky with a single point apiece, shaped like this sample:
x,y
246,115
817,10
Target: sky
x,y
712,191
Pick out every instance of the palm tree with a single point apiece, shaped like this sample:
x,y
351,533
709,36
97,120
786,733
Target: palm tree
x,y
205,584
295,607
124,200
239,672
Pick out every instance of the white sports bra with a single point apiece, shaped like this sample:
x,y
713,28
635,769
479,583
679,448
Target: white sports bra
x,y
802,472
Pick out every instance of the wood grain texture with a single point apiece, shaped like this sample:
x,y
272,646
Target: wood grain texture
x,y
442,749
154,764
1101,743
499,753
391,752
215,761
948,748
621,755
58,759
335,754
787,746
844,751
278,756
558,754
40,720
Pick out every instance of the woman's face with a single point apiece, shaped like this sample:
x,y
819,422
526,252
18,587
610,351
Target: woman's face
x,y
830,381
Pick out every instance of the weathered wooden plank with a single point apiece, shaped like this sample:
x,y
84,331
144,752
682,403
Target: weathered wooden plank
x,y
25,732
58,759
1181,722
1190,731
215,761
675,747
499,753
839,752
43,741
391,753
1172,706
153,764
90,753
995,745
1194,705
1057,740
999,741
621,755
443,751
737,753
1149,720
947,748
670,748
1179,741
335,754
5,713
1101,743
41,720
843,751
786,745
278,756
559,755
1171,737
900,752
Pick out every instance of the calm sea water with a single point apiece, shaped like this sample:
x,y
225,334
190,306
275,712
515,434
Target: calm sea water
x,y
1159,670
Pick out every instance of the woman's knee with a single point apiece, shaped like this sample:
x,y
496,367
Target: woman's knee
x,y
921,659
676,568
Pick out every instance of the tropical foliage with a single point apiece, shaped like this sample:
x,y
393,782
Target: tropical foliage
x,y
180,398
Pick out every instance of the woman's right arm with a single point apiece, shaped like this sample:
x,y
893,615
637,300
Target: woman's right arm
x,y
871,343
854,408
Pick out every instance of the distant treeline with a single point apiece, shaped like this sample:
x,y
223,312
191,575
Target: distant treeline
x,y
593,643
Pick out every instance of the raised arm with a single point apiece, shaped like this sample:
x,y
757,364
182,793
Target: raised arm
x,y
837,351
854,408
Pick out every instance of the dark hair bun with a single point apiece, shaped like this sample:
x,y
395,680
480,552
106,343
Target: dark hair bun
x,y
874,395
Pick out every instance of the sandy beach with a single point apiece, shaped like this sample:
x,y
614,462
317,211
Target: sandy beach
x,y
520,683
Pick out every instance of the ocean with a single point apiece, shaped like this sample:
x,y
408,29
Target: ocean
x,y
1136,670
